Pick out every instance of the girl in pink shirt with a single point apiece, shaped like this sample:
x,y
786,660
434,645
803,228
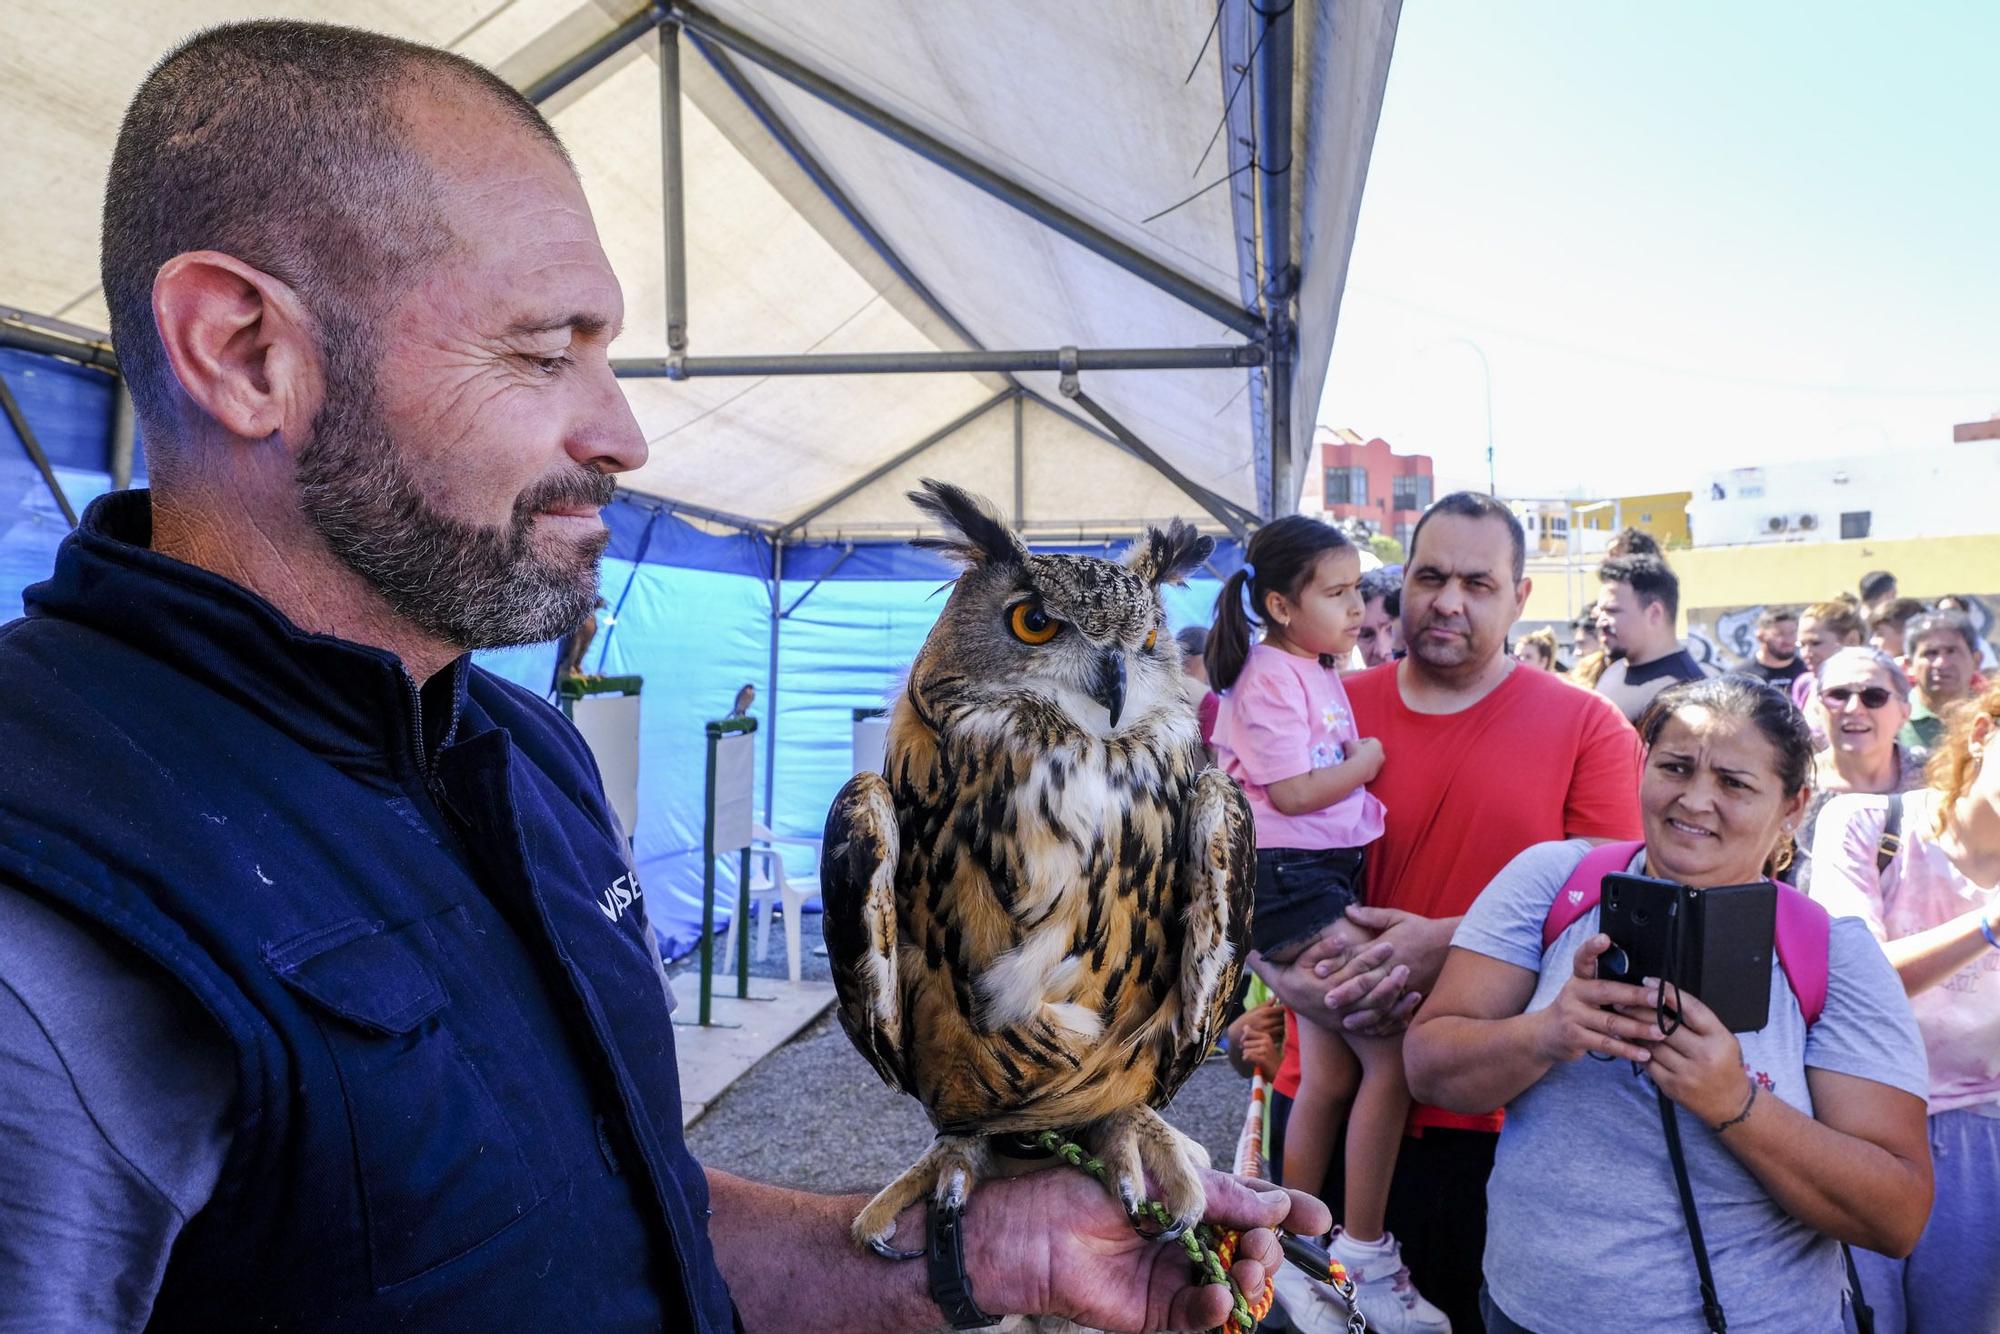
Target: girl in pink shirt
x,y
1928,893
1286,735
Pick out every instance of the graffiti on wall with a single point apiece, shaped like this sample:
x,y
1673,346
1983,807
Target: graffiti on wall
x,y
1727,636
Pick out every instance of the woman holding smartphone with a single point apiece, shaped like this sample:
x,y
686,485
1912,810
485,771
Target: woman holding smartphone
x,y
1797,1137
1933,904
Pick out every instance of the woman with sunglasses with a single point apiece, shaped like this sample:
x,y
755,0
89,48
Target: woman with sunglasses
x,y
1797,1136
1863,701
1933,905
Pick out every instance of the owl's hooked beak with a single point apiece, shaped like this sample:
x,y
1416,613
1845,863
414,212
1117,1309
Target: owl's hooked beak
x,y
1110,688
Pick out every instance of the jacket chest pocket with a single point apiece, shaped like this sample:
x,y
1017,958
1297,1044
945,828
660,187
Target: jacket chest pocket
x,y
438,1167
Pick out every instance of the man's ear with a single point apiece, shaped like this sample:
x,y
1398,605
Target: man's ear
x,y
1521,592
239,341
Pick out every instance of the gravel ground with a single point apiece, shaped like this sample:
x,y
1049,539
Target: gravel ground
x,y
813,1115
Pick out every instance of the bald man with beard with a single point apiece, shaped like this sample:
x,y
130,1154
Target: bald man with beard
x,y
326,1001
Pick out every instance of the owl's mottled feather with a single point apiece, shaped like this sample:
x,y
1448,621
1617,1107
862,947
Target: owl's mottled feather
x,y
1035,917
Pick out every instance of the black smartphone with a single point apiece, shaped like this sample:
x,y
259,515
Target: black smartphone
x,y
1715,944
1730,945
1642,917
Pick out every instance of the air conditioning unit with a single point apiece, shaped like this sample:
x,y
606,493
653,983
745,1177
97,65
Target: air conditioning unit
x,y
1775,524
1808,522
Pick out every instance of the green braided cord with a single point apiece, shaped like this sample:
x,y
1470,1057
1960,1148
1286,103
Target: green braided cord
x,y
1198,1242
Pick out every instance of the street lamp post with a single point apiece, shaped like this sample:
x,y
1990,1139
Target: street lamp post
x,y
1486,372
1486,379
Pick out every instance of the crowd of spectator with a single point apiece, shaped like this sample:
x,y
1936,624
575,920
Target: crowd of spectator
x,y
1533,1189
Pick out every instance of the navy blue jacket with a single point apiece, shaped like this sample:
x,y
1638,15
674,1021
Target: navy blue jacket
x,y
408,911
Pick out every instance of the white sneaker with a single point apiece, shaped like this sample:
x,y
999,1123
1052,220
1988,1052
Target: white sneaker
x,y
1312,1307
1382,1289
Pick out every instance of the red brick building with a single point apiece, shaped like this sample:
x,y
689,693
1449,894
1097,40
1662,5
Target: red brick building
x,y
1366,479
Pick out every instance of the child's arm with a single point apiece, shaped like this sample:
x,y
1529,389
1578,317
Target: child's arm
x,y
1256,1040
1320,788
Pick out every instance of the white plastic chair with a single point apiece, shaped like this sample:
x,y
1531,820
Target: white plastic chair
x,y
770,884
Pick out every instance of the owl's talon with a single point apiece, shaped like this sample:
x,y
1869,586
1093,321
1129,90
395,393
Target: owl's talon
x,y
951,1195
888,1252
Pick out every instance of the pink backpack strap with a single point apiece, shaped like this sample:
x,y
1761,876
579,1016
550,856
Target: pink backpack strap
x,y
1803,938
1585,886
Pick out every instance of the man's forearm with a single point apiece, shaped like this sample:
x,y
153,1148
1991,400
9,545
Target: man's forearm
x,y
791,1264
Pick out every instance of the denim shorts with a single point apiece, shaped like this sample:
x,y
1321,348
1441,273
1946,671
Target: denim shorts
x,y
1301,892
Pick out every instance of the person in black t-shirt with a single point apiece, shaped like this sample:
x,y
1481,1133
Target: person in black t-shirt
x,y
1777,659
1635,617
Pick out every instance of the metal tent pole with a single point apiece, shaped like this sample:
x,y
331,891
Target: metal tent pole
x,y
1216,306
1228,356
1272,90
599,51
34,448
124,432
775,126
771,699
1225,513
1020,465
704,1010
674,198
55,345
883,469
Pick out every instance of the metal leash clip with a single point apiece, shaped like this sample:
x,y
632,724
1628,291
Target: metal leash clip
x,y
1313,1261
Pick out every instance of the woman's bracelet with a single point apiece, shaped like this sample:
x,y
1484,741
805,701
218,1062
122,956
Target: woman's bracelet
x,y
1743,1115
1986,930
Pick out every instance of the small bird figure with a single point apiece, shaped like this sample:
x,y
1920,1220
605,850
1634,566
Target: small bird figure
x,y
1036,913
744,699
572,646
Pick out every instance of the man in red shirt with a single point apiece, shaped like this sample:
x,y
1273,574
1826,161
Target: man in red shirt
x,y
1481,761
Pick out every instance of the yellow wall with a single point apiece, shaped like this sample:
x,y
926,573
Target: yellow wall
x,y
1797,573
1669,510
1794,573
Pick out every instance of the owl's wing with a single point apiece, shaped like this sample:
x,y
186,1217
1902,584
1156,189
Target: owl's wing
x,y
857,879
1221,868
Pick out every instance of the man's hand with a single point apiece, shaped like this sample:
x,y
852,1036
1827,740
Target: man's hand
x,y
1420,945
1330,983
1056,1242
1700,1064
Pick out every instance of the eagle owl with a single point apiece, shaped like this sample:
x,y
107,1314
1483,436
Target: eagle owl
x,y
1036,913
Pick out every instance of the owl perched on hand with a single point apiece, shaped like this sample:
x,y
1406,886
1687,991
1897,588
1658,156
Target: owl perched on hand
x,y
1036,913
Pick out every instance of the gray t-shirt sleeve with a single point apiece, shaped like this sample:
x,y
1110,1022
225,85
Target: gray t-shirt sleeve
x,y
1867,1028
115,1099
1505,922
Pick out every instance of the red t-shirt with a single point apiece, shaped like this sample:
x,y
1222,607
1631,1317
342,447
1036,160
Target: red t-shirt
x,y
1537,760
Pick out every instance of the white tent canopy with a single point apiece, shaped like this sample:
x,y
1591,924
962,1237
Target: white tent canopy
x,y
1067,182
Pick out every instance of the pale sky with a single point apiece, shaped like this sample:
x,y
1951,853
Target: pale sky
x,y
1688,236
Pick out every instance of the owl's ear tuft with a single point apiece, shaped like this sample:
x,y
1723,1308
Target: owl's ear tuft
x,y
1169,557
973,533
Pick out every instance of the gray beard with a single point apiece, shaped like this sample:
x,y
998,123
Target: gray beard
x,y
468,584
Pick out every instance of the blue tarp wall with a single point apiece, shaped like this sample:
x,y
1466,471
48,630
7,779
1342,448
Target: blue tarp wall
x,y
690,611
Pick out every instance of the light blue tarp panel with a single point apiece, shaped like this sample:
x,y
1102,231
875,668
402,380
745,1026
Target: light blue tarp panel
x,y
696,637
69,408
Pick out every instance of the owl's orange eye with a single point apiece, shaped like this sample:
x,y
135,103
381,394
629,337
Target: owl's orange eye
x,y
1152,638
1032,625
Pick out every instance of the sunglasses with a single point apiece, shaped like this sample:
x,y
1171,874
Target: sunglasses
x,y
1873,697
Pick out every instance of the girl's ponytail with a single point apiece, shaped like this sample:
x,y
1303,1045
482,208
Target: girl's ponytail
x,y
1229,638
